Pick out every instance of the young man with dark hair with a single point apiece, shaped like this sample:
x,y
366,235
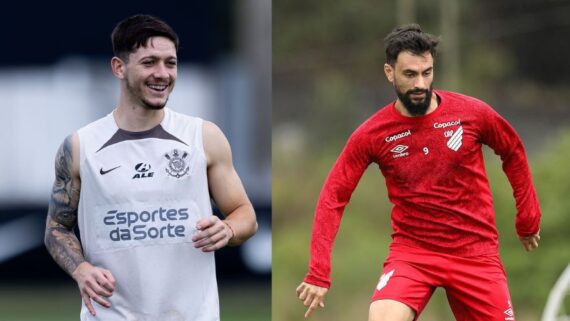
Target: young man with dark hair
x,y
137,183
428,146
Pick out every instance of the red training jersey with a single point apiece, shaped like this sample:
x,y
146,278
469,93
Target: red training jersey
x,y
435,176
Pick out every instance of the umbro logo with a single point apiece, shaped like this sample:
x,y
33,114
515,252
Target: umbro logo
x,y
400,151
509,314
103,172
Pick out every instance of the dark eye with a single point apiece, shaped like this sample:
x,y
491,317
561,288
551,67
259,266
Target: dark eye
x,y
147,62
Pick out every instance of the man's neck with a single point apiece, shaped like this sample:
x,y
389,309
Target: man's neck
x,y
135,118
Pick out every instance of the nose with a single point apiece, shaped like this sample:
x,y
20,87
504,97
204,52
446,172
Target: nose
x,y
160,71
420,83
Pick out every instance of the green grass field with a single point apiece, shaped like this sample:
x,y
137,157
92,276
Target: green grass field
x,y
238,302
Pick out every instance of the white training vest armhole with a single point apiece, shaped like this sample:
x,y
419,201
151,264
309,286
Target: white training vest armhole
x,y
199,137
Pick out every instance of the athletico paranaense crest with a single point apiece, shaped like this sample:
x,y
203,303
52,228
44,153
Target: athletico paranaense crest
x,y
177,166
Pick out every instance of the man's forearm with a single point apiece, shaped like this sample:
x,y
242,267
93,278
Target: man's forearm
x,y
63,246
243,223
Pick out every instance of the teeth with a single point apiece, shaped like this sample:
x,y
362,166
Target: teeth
x,y
158,87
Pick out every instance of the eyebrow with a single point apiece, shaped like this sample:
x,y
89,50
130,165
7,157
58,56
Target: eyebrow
x,y
414,71
157,57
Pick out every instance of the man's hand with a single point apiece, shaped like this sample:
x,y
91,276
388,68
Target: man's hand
x,y
312,296
94,283
213,234
530,242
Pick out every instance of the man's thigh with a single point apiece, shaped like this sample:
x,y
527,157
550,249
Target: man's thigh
x,y
390,310
478,290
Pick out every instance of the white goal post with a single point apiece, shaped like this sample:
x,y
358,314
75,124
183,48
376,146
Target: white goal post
x,y
554,310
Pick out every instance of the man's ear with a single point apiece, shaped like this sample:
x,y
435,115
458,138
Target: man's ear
x,y
389,72
118,67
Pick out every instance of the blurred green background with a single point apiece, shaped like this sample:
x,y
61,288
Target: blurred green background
x,y
328,78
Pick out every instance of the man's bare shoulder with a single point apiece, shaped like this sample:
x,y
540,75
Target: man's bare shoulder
x,y
216,145
68,155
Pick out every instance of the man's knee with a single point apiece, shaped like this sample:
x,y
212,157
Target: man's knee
x,y
390,310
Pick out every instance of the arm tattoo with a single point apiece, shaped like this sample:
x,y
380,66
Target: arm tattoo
x,y
60,238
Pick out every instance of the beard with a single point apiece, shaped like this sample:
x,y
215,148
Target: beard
x,y
137,94
148,105
415,108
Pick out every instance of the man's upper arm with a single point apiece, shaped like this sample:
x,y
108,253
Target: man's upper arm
x,y
60,240
225,185
65,193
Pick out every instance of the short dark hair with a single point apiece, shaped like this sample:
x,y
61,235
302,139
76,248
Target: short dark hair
x,y
409,38
134,32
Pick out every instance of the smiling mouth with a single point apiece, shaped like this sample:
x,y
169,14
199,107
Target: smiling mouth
x,y
157,87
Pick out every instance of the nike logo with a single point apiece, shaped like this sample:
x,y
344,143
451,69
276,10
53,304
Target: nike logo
x,y
102,172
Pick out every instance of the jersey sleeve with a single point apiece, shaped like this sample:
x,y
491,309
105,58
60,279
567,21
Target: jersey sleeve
x,y
498,134
335,195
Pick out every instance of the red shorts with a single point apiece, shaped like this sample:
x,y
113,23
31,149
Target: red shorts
x,y
476,287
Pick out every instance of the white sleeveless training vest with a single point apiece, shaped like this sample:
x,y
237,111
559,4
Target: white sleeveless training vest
x,y
141,195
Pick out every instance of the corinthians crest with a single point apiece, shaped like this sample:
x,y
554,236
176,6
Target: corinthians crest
x,y
177,166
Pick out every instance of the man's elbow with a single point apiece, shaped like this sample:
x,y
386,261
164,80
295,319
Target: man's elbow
x,y
255,227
